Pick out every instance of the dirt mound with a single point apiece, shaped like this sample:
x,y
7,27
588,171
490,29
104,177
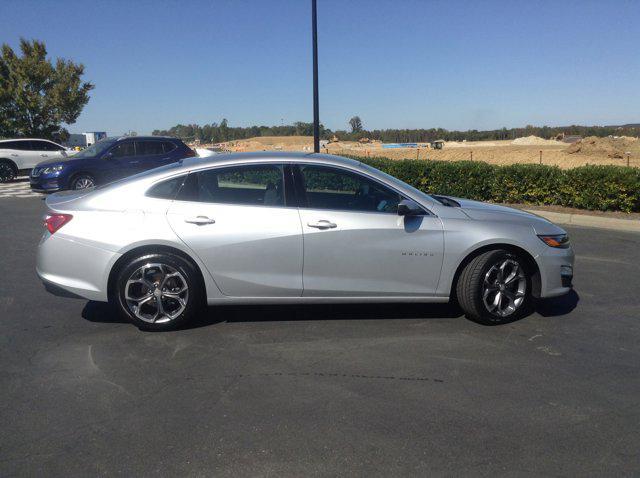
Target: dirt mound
x,y
609,147
534,141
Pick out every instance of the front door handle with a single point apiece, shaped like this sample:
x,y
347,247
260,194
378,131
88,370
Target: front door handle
x,y
322,224
200,220
14,154
44,155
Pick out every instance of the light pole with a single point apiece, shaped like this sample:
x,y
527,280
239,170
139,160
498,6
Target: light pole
x,y
316,113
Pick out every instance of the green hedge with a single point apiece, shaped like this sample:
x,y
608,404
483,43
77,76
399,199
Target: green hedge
x,y
602,188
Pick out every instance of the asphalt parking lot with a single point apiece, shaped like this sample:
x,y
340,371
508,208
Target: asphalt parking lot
x,y
380,390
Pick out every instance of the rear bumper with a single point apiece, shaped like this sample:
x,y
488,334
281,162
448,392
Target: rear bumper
x,y
74,269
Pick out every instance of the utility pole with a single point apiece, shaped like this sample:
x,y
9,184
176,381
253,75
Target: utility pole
x,y
316,113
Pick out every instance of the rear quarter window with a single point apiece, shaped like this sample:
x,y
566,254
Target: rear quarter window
x,y
168,146
167,189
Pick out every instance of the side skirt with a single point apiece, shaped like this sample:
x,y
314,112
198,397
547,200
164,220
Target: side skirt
x,y
324,300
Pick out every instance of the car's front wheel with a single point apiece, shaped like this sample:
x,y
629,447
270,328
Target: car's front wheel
x,y
82,181
495,288
158,291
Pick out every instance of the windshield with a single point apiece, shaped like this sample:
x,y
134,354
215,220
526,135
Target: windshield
x,y
95,150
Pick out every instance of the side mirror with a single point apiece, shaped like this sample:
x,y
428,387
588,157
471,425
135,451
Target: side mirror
x,y
108,155
407,207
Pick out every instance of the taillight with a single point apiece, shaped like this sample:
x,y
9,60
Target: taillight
x,y
54,221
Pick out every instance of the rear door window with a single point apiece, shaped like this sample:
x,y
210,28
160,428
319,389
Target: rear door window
x,y
148,148
251,185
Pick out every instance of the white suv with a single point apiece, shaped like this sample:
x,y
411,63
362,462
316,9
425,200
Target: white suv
x,y
23,154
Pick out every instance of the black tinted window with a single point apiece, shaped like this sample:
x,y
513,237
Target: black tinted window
x,y
332,188
166,189
122,150
146,148
259,185
18,145
44,146
168,146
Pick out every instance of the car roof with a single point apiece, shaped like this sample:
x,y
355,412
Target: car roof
x,y
271,156
25,139
145,138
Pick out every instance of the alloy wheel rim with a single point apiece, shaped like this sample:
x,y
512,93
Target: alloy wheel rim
x,y
84,183
504,288
156,293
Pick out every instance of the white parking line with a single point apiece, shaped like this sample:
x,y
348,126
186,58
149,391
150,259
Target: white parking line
x,y
18,188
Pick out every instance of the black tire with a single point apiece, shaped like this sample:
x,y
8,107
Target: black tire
x,y
168,264
79,181
8,171
477,277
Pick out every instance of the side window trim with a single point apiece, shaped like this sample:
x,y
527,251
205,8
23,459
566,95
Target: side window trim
x,y
301,198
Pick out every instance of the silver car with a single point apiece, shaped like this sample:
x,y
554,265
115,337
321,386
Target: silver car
x,y
264,228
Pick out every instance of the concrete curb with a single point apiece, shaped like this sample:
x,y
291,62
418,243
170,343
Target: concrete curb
x,y
630,225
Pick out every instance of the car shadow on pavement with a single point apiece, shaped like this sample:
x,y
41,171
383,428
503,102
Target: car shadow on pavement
x,y
557,306
102,312
105,313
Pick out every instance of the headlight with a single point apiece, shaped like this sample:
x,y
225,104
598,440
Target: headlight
x,y
52,169
559,241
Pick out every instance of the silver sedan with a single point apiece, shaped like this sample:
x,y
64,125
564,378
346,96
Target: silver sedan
x,y
293,228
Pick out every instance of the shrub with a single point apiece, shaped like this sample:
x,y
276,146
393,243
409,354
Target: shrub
x,y
603,188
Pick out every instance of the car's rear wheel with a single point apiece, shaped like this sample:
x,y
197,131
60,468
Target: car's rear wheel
x,y
82,181
8,171
495,288
158,291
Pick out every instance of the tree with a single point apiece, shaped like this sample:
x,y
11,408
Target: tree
x,y
356,124
36,96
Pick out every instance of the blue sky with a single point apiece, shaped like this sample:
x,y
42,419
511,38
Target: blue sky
x,y
397,64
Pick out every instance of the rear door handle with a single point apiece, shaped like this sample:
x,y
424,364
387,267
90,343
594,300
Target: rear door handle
x,y
44,155
322,224
200,220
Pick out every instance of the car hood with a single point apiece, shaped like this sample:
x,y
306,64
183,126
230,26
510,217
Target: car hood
x,y
60,160
482,211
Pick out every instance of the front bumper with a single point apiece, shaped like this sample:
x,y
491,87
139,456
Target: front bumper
x,y
556,271
42,184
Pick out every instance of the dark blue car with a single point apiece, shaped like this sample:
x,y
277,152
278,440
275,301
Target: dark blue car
x,y
107,161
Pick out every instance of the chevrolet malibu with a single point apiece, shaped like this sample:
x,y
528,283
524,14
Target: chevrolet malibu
x,y
263,228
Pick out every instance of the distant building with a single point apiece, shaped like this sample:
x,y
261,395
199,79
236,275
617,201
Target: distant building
x,y
85,139
94,136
